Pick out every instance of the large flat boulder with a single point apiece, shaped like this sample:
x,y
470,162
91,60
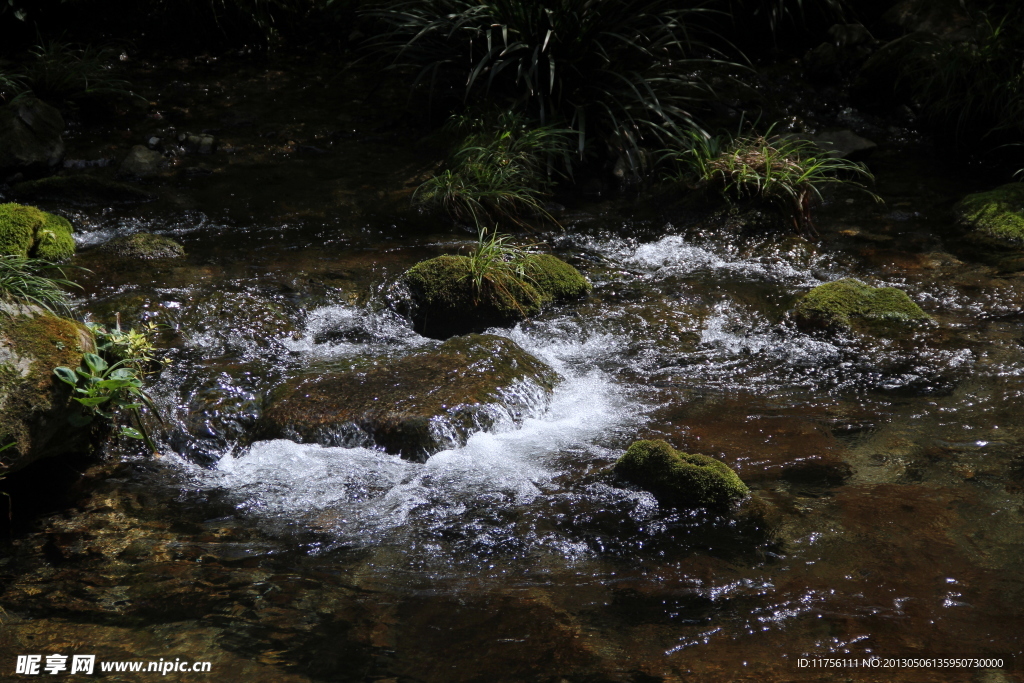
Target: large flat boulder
x,y
417,405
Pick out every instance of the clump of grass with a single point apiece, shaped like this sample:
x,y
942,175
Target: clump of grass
x,y
626,71
788,172
60,72
495,260
499,171
32,281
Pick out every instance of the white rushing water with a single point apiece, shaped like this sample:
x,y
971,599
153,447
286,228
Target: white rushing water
x,y
359,493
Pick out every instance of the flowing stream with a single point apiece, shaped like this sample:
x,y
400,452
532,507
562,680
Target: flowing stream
x,y
888,472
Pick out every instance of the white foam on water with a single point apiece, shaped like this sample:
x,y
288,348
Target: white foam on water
x,y
360,493
362,325
674,255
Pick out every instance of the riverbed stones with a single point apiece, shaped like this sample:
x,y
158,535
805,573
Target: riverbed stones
x,y
417,405
995,217
30,137
27,231
34,404
446,301
680,479
851,305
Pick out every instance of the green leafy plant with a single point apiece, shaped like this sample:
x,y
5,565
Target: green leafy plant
x,y
106,390
501,170
134,347
623,71
783,170
23,280
111,382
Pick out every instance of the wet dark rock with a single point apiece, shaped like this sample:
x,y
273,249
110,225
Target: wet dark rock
x,y
30,137
143,246
233,320
34,404
198,143
995,217
417,405
680,479
444,300
87,190
854,306
143,162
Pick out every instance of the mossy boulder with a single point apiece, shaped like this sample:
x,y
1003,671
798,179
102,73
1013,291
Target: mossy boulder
x,y
87,190
27,231
143,246
34,404
445,300
680,479
417,405
995,217
851,305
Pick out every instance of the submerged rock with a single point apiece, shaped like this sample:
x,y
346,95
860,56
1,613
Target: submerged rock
x,y
27,231
143,162
417,405
854,306
79,189
30,137
34,404
995,217
144,246
445,300
680,479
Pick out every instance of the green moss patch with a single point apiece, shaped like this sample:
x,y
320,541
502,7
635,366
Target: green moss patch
x,y
852,305
555,279
27,231
680,479
446,300
996,216
145,246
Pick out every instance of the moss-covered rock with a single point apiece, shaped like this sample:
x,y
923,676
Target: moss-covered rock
x,y
680,479
445,300
143,246
79,189
414,406
34,404
854,306
27,231
555,279
996,216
